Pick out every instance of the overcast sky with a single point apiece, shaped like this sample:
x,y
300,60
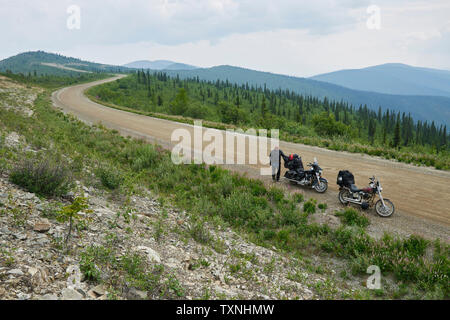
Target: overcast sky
x,y
293,37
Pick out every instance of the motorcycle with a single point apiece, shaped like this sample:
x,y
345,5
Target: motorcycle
x,y
312,177
365,197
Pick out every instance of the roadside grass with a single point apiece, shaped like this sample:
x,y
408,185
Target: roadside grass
x,y
267,217
351,217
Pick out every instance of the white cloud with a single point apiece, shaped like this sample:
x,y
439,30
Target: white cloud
x,y
292,37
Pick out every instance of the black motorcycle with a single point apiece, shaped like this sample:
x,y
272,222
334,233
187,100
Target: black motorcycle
x,y
312,177
365,197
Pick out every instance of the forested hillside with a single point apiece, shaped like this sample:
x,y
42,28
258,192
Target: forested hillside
x,y
43,63
333,124
52,81
421,107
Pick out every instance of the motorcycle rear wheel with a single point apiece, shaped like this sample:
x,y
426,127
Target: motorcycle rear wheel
x,y
344,193
384,211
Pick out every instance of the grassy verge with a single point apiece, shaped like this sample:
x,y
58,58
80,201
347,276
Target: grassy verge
x,y
268,217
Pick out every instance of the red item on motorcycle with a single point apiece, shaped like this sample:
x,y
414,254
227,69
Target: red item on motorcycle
x,y
368,190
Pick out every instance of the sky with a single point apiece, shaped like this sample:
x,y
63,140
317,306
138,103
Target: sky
x,y
293,37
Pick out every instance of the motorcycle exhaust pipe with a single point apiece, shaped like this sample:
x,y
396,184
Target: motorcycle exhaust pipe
x,y
296,181
352,200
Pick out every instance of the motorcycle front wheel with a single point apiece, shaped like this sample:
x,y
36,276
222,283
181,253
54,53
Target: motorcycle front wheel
x,y
344,193
384,211
321,186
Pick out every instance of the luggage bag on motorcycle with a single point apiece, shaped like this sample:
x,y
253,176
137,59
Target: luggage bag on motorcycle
x,y
345,178
294,162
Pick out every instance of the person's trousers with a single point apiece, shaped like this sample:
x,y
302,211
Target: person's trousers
x,y
276,172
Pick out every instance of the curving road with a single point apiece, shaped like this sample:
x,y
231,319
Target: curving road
x,y
421,195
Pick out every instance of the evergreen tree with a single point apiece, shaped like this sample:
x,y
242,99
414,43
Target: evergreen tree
x,y
264,107
396,141
372,130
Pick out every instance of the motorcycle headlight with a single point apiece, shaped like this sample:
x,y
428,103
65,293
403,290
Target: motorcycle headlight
x,y
381,189
320,171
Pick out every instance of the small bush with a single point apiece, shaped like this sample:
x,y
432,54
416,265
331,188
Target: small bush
x,y
90,257
309,206
351,217
144,157
415,246
298,197
109,177
276,194
226,185
43,177
199,233
269,234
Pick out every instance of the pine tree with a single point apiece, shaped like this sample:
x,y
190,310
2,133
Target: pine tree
x,y
264,107
396,141
444,138
372,130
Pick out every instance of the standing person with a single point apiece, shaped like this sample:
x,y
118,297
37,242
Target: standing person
x,y
275,162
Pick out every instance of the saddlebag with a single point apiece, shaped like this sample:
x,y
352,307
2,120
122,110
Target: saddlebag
x,y
345,178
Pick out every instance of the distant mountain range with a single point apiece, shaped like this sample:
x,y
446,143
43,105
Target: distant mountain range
x,y
425,93
392,78
159,65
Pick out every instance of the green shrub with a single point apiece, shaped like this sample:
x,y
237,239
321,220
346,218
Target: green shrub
x,y
199,233
90,257
415,246
283,237
351,217
43,177
226,185
109,177
276,194
143,157
268,234
309,206
297,197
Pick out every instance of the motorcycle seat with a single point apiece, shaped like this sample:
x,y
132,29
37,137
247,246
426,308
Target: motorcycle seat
x,y
354,188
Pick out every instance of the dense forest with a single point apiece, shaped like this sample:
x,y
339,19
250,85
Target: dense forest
x,y
421,107
303,117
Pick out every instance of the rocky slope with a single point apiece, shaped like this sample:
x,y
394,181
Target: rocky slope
x,y
35,266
